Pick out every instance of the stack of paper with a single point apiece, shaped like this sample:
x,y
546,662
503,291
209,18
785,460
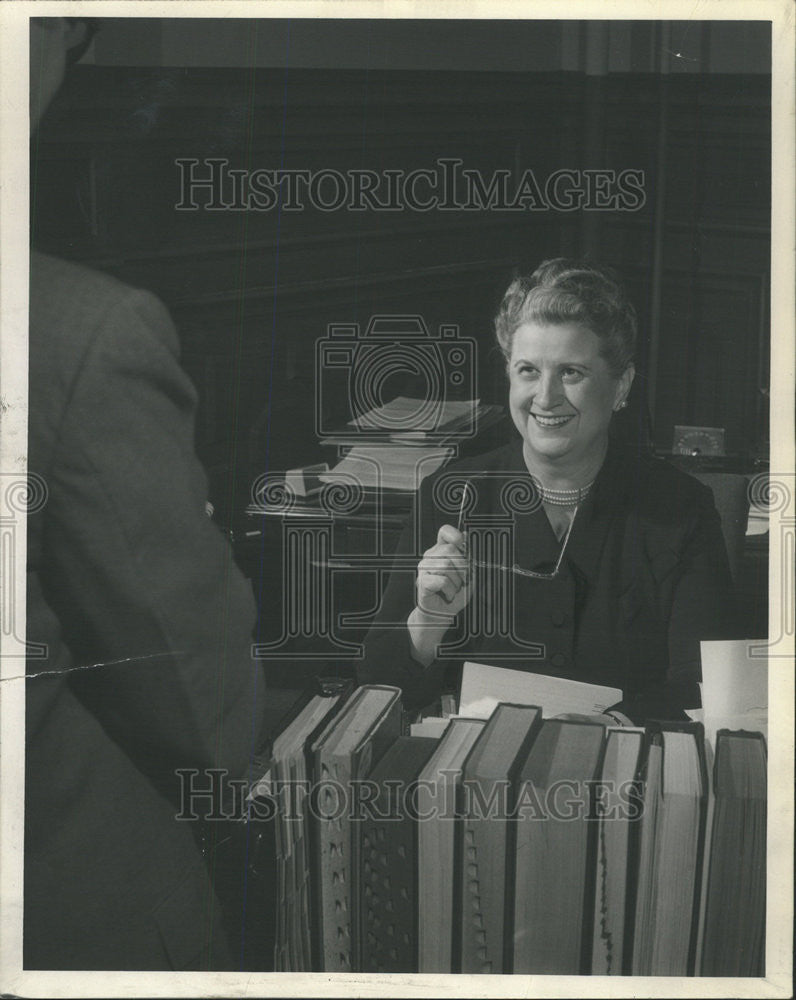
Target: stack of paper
x,y
405,414
387,467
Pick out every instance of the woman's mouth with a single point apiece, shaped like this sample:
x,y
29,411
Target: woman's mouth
x,y
551,421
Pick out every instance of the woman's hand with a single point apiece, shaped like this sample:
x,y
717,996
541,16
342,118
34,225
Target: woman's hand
x,y
442,574
443,589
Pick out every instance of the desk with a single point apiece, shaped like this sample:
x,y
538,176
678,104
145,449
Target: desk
x,y
318,568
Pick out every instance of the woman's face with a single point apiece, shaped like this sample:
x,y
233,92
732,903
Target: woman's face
x,y
562,392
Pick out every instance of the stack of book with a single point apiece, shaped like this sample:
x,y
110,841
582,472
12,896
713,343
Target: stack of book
x,y
517,844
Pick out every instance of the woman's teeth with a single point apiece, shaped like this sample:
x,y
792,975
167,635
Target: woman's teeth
x,y
550,421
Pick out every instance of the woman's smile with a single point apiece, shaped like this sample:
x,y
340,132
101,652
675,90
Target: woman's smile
x,y
552,423
562,395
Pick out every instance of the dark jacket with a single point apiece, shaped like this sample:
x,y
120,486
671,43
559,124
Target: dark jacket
x,y
146,627
644,577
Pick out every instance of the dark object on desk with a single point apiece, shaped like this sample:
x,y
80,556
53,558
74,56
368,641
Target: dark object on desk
x,y
731,497
698,440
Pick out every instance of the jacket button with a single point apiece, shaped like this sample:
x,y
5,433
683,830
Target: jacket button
x,y
558,659
558,618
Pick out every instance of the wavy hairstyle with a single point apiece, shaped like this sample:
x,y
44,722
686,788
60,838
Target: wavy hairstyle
x,y
571,291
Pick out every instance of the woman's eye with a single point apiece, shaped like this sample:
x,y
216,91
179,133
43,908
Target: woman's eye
x,y
572,375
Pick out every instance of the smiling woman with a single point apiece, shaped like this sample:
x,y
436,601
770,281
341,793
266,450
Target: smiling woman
x,y
568,335
615,568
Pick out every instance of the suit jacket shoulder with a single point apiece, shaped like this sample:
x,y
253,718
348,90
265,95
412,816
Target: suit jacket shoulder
x,y
70,305
668,501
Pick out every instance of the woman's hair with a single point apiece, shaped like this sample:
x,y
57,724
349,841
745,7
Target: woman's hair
x,y
571,291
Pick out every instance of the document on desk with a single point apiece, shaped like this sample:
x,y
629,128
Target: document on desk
x,y
483,686
407,414
387,467
734,688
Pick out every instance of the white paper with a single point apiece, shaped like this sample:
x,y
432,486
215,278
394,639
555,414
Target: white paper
x,y
387,466
734,688
484,686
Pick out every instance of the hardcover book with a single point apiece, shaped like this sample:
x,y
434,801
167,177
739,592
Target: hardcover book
x,y
436,803
671,842
344,754
388,887
290,785
489,773
618,808
735,918
554,850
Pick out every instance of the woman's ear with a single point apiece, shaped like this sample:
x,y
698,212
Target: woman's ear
x,y
624,382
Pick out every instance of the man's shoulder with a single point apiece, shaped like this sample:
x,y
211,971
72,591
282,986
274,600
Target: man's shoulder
x,y
72,305
55,273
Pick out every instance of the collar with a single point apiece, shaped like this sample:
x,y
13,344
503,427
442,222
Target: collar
x,y
593,521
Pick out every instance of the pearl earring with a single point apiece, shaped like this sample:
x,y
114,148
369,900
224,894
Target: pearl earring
x,y
622,405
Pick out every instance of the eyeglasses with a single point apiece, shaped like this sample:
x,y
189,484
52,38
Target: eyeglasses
x,y
532,574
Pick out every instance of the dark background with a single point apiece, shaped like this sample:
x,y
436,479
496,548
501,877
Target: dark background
x,y
251,292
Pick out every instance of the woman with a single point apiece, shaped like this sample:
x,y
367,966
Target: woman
x,y
574,557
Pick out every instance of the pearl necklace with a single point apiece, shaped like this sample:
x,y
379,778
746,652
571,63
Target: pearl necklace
x,y
563,498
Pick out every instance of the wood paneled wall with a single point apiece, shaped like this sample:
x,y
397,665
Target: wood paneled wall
x,y
251,292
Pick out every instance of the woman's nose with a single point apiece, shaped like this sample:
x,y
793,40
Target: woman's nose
x,y
548,392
